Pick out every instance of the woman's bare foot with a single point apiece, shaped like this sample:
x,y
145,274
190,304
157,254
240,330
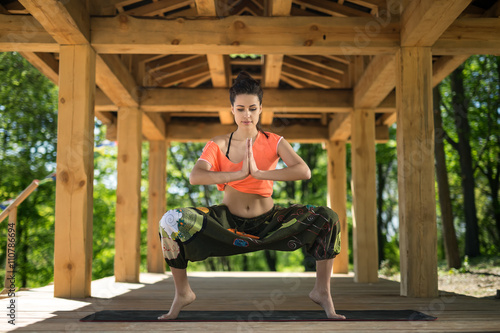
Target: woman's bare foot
x,y
180,301
324,299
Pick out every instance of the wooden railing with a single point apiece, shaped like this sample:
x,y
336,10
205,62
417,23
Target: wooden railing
x,y
11,212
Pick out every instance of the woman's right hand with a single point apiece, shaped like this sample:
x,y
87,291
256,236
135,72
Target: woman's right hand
x,y
245,167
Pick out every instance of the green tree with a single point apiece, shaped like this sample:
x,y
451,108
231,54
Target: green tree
x,y
28,125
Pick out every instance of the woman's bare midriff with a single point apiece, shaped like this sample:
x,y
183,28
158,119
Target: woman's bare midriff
x,y
246,204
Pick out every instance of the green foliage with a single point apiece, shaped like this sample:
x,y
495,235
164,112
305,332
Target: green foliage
x,y
481,76
28,108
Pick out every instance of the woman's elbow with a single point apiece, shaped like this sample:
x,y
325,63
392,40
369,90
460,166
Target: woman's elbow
x,y
307,172
193,179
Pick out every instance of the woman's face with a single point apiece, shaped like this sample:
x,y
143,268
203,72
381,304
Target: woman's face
x,y
246,110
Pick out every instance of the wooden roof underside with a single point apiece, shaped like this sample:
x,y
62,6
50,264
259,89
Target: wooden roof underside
x,y
317,59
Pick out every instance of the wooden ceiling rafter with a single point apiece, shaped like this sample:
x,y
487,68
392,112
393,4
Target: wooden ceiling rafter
x,y
170,71
159,7
312,69
323,62
188,74
331,8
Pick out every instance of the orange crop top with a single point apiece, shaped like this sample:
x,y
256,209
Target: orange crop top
x,y
265,152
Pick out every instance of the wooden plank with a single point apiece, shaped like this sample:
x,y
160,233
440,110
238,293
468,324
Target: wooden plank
x,y
128,196
245,34
424,21
444,66
24,33
115,80
337,199
75,172
196,100
67,21
157,203
376,83
415,145
153,126
103,103
364,210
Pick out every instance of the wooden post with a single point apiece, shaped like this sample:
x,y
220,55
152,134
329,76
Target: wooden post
x,y
10,251
156,203
337,198
75,172
128,195
415,145
364,211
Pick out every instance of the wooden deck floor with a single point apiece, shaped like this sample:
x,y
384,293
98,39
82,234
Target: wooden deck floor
x,y
38,310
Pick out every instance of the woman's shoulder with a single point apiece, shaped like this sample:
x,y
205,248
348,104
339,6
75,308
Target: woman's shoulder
x,y
221,141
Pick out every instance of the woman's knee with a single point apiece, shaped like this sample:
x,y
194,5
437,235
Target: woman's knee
x,y
328,213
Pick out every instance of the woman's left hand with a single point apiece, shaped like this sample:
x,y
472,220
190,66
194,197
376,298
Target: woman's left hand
x,y
254,171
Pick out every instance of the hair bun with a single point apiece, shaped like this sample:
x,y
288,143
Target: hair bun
x,y
243,75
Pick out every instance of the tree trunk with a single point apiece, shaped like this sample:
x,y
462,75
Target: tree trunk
x,y
271,259
449,235
460,105
381,179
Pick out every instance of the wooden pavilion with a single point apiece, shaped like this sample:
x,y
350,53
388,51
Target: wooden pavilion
x,y
334,72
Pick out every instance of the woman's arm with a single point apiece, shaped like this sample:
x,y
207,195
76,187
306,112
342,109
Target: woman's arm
x,y
296,168
201,174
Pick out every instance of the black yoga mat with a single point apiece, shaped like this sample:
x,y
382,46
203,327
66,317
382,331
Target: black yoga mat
x,y
256,316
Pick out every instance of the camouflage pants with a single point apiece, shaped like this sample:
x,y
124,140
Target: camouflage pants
x,y
196,233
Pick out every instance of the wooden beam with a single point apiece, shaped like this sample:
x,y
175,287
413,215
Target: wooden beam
x,y
196,100
218,64
273,62
416,188
424,21
116,81
444,66
153,126
469,36
45,63
339,128
202,132
245,34
376,83
157,203
364,210
24,33
324,62
337,199
67,21
307,67
128,196
75,173
302,76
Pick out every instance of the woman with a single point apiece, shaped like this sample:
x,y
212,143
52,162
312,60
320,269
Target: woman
x,y
242,164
